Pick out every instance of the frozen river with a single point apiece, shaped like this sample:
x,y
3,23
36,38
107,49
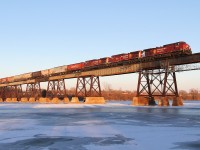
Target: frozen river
x,y
115,125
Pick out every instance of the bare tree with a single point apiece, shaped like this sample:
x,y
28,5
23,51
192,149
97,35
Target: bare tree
x,y
107,86
183,94
194,94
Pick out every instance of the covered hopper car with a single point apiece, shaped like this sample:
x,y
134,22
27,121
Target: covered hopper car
x,y
57,70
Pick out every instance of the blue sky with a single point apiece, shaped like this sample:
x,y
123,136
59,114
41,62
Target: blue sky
x,y
41,34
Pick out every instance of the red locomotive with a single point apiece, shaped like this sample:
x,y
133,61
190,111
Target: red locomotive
x,y
92,63
119,58
105,60
76,67
174,49
135,55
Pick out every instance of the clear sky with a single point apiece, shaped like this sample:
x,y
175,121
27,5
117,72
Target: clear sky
x,y
41,34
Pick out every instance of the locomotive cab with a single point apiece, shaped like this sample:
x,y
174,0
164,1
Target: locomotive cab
x,y
184,47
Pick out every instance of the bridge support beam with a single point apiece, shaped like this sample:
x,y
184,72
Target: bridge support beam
x,y
157,83
89,88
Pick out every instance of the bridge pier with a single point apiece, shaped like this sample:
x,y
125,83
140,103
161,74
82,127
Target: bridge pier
x,y
89,88
24,100
157,83
164,101
74,100
94,100
140,101
177,101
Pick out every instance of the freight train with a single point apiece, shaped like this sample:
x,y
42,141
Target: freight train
x,y
165,51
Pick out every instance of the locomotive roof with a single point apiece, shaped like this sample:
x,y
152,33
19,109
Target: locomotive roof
x,y
174,43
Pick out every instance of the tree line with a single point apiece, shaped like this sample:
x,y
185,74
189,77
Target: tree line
x,y
110,94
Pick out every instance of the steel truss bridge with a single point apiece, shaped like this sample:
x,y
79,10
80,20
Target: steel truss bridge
x,y
156,78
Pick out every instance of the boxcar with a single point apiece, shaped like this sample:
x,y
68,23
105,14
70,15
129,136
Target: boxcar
x,y
75,67
119,57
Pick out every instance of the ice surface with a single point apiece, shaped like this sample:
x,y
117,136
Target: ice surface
x,y
115,125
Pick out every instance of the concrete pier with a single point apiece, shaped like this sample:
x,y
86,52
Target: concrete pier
x,y
140,101
75,100
44,100
55,100
31,100
177,101
95,100
8,100
14,100
24,100
163,102
66,100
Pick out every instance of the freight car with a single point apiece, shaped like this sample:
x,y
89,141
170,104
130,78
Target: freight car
x,y
58,70
22,77
54,71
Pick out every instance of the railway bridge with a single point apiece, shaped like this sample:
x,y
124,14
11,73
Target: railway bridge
x,y
156,78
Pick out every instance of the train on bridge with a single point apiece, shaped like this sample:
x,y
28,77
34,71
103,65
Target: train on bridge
x,y
150,54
